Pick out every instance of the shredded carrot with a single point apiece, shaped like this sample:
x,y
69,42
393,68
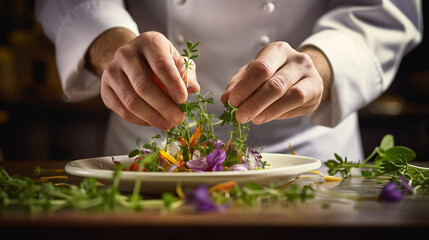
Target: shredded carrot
x,y
291,150
228,143
168,156
160,85
164,160
195,136
182,141
224,186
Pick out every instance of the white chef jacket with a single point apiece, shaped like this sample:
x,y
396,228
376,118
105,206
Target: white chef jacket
x,y
363,40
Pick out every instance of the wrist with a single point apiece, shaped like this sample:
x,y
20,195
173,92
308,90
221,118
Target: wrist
x,y
102,50
322,65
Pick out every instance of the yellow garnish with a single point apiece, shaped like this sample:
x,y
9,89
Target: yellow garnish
x,y
291,150
327,177
53,170
168,156
286,185
316,172
54,177
179,190
332,178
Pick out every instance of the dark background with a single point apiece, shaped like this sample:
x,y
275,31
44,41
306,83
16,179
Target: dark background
x,y
37,124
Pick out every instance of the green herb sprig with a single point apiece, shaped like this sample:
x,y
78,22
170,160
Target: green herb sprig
x,y
253,194
239,133
388,160
189,54
18,191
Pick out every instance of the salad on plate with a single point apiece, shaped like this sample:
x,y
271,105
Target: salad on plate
x,y
193,146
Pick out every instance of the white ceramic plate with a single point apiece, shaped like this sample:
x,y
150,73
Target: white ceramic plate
x,y
284,168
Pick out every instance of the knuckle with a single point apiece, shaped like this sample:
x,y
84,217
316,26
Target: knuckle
x,y
108,74
131,102
277,84
263,68
161,64
282,46
299,94
304,60
151,36
140,84
123,52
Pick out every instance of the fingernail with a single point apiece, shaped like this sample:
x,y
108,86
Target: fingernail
x,y
243,115
235,101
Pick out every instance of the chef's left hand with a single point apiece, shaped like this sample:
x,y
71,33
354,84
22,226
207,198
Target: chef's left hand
x,y
279,83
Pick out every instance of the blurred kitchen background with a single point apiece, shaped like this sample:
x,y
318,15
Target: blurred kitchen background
x,y
36,124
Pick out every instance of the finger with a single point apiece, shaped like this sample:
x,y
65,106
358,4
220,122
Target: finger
x,y
193,85
132,101
234,80
114,103
305,94
297,112
144,84
162,58
271,58
273,89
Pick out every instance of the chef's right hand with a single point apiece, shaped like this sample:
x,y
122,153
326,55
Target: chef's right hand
x,y
129,70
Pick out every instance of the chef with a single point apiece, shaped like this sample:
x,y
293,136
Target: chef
x,y
298,71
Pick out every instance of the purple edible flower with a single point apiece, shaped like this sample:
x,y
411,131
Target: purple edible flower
x,y
406,186
197,165
390,193
201,201
240,167
213,162
171,169
254,158
217,143
215,159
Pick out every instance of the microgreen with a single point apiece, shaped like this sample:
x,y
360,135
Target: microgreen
x,y
189,54
19,191
238,134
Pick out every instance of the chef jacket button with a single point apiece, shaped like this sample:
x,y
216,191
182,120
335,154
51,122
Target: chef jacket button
x,y
269,7
180,39
264,40
179,2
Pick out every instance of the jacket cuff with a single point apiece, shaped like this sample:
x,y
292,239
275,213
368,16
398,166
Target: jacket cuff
x,y
356,81
79,28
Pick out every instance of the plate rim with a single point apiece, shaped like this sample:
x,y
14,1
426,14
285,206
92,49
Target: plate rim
x,y
103,173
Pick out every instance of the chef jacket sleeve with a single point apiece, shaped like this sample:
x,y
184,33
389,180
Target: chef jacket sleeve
x,y
364,42
72,25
